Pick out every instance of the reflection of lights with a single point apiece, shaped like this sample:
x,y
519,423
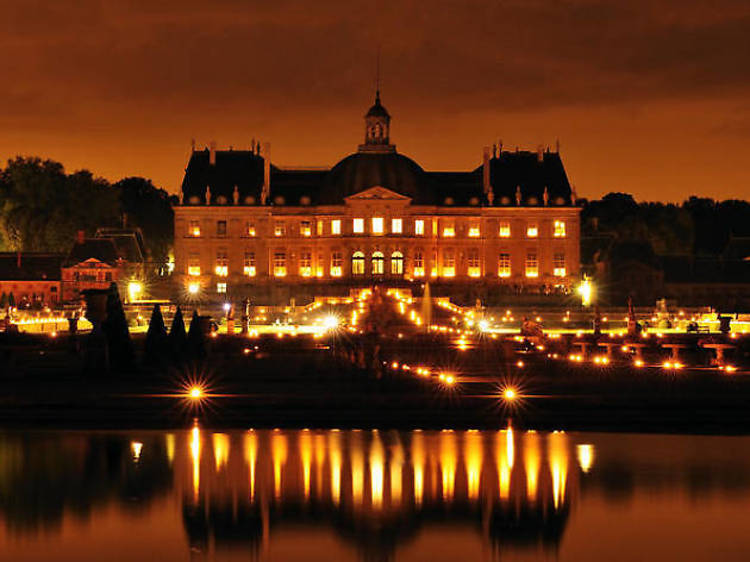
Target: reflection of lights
x,y
195,455
585,456
418,460
136,447
221,449
519,364
358,468
558,460
251,454
397,461
532,462
448,461
377,462
305,451
170,447
505,458
473,456
334,447
278,451
638,363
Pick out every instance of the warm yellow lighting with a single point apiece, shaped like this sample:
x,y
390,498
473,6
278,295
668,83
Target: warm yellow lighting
x,y
509,394
221,270
638,363
449,231
586,290
336,227
330,322
136,447
377,225
532,231
474,232
194,270
397,226
419,227
585,456
194,288
504,230
559,229
195,392
358,226
135,289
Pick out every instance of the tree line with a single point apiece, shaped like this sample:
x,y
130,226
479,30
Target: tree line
x,y
42,207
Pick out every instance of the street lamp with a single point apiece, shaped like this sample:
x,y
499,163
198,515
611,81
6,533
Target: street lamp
x,y
586,290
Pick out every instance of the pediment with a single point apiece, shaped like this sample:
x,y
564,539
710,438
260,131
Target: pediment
x,y
378,193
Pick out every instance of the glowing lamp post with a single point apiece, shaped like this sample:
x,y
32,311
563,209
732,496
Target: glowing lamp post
x,y
586,290
135,290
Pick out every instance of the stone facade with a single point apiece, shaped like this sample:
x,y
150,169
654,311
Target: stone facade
x,y
375,217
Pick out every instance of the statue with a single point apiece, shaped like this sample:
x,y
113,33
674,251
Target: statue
x,y
208,195
236,195
518,195
545,196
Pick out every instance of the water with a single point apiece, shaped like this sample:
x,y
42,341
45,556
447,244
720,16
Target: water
x,y
372,496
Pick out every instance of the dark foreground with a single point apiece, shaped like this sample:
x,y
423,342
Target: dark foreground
x,y
301,382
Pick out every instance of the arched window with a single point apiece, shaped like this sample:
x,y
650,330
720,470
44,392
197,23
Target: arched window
x,y
358,263
397,263
378,267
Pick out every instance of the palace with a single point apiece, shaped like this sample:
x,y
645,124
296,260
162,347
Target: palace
x,y
247,227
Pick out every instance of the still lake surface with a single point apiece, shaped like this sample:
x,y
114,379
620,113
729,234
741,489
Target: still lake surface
x,y
368,495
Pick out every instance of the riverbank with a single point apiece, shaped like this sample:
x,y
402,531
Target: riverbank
x,y
300,382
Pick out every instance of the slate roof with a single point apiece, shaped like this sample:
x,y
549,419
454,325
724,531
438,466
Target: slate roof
x,y
102,249
34,266
360,171
128,243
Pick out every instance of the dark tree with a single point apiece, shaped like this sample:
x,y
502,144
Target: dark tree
x,y
177,335
196,339
155,346
115,327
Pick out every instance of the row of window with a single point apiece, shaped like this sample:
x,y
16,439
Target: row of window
x,y
378,265
377,227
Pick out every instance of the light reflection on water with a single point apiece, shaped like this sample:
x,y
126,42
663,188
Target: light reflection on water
x,y
375,495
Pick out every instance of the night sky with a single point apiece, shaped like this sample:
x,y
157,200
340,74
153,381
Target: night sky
x,y
650,97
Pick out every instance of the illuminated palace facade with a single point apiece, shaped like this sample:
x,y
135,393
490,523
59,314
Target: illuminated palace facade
x,y
243,224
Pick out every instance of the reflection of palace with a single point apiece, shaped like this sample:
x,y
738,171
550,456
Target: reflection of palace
x,y
376,216
376,488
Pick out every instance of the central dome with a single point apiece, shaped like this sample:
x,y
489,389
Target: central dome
x,y
363,170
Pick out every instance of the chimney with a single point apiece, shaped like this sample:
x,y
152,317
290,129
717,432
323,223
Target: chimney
x,y
540,154
80,237
266,173
212,153
486,170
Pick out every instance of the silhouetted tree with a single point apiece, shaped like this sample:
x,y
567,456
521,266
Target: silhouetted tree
x,y
155,346
177,335
115,327
196,339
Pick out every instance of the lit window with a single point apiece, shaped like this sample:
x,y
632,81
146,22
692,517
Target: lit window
x,y
194,265
397,263
336,226
377,225
337,262
222,264
558,265
279,264
320,228
195,228
249,264
250,228
559,231
504,230
305,264
279,229
358,226
358,263
449,229
378,265
320,267
221,288
434,265
221,228
419,227
397,226
449,264
418,264
475,268
532,265
532,230
474,230
305,228
503,265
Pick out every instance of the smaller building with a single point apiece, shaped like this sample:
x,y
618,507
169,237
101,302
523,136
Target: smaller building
x,y
31,278
93,263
